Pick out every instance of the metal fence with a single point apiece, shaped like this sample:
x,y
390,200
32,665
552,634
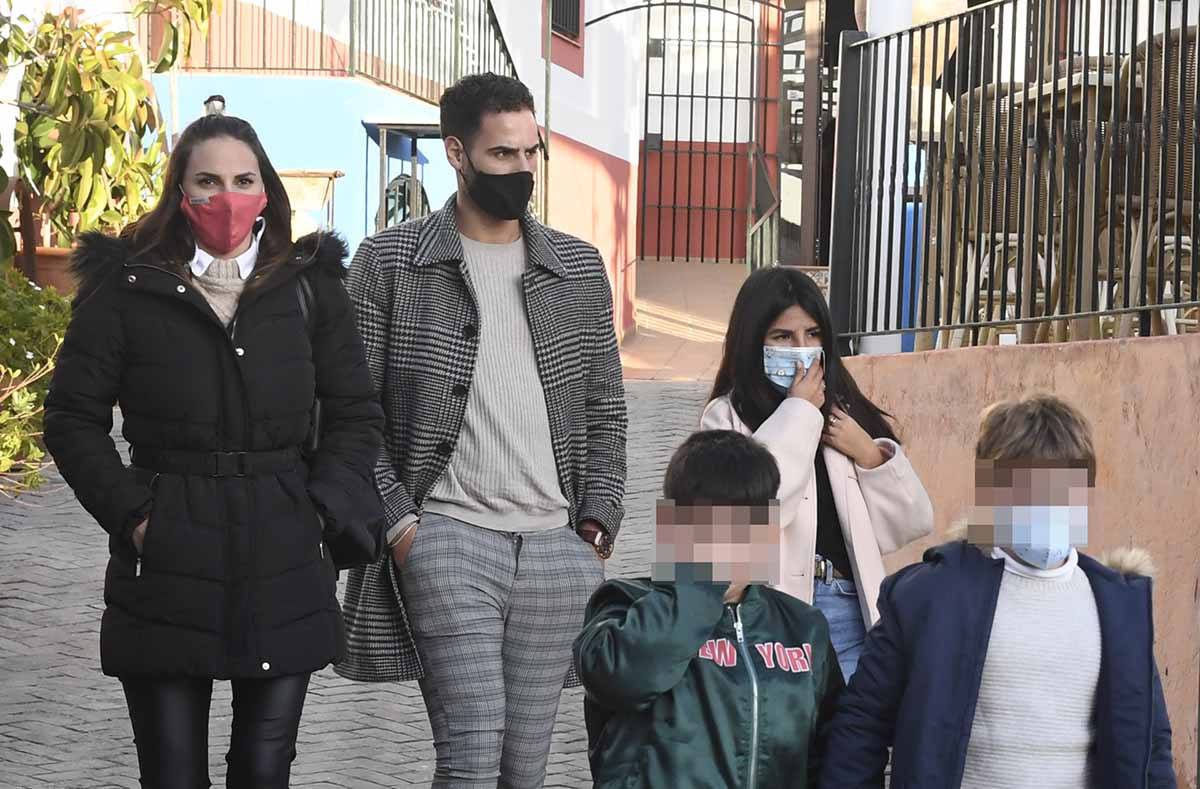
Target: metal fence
x,y
419,47
713,131
1021,172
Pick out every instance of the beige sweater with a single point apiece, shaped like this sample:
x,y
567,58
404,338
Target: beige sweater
x,y
222,286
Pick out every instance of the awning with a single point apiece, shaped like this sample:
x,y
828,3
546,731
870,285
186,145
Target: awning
x,y
399,145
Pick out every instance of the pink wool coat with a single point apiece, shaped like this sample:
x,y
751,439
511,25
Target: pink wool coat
x,y
880,510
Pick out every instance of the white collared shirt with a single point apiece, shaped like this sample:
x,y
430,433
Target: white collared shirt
x,y
245,261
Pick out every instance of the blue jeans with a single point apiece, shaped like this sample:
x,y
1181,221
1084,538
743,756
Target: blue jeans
x,y
838,601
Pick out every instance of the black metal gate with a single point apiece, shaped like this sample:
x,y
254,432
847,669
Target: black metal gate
x,y
715,130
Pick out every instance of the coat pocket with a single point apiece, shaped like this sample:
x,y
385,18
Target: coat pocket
x,y
140,558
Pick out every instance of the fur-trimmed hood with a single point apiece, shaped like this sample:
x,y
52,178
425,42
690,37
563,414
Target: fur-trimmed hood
x,y
1126,560
96,256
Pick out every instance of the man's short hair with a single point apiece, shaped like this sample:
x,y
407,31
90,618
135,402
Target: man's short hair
x,y
1036,430
464,103
721,467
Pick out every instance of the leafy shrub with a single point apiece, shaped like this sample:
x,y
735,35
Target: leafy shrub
x,y
33,321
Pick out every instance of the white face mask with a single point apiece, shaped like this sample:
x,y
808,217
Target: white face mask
x,y
782,362
1041,535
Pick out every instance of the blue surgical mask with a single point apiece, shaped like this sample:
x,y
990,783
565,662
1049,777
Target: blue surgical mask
x,y
1042,535
781,362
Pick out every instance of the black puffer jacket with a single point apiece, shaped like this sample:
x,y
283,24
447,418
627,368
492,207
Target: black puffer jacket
x,y
235,579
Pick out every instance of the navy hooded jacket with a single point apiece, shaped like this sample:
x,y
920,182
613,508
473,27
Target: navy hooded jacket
x,y
918,679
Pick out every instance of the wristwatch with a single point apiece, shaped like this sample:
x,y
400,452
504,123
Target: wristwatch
x,y
603,544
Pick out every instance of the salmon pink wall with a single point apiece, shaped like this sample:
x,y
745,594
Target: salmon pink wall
x,y
593,195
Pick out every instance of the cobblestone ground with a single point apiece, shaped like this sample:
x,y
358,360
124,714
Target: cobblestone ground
x,y
63,724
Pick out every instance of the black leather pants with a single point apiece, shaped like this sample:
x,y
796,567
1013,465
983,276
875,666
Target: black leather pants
x,y
170,727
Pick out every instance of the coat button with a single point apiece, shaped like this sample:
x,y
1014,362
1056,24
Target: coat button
x,y
459,390
240,351
180,289
444,448
469,331
132,278
266,666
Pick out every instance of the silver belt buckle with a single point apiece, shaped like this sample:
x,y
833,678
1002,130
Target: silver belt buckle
x,y
824,570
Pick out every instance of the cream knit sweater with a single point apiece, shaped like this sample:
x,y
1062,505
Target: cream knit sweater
x,y
1032,726
502,475
222,286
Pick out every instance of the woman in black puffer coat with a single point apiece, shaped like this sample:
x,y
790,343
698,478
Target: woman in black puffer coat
x,y
214,332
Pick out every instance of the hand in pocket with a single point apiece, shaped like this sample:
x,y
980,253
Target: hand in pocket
x,y
401,549
139,535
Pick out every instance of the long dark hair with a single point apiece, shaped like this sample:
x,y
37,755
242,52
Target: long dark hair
x,y
164,233
764,296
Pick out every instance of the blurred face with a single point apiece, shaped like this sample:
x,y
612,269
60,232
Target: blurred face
x,y
507,142
794,328
737,545
222,164
1035,514
1031,487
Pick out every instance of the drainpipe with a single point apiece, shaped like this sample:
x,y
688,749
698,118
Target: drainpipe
x,y
458,35
548,18
351,53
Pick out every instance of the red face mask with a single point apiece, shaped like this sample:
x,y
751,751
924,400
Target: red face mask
x,y
222,221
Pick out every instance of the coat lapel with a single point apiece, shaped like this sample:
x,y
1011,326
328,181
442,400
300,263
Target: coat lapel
x,y
857,533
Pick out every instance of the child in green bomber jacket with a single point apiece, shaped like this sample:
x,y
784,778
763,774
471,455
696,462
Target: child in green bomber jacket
x,y
703,675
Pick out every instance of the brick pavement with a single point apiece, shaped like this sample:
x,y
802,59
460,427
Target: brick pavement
x,y
63,724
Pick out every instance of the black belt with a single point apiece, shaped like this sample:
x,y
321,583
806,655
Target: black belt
x,y
216,464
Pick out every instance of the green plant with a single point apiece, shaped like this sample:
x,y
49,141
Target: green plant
x,y
83,150
32,323
179,18
22,458
88,141
32,319
8,240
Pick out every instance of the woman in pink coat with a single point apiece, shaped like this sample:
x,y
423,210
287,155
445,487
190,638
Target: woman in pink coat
x,y
848,494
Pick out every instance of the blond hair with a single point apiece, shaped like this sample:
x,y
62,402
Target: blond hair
x,y
1038,429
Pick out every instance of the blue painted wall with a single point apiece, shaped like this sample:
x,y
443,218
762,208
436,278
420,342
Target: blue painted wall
x,y
315,123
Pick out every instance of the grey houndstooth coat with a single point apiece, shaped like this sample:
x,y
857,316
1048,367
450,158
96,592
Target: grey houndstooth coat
x,y
419,322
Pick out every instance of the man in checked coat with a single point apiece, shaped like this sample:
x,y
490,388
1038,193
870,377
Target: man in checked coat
x,y
491,340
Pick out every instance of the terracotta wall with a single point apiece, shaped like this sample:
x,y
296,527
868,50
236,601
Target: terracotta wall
x,y
1143,398
592,196
694,201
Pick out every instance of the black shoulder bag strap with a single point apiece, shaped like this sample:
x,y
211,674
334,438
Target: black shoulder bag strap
x,y
304,294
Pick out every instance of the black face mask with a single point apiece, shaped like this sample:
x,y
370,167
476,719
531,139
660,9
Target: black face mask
x,y
502,196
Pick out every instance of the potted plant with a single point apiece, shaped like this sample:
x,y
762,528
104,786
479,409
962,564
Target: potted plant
x,y
88,141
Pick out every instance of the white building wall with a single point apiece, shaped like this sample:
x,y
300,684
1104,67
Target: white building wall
x,y
603,109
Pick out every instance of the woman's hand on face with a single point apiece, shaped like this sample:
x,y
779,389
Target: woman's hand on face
x,y
847,436
810,386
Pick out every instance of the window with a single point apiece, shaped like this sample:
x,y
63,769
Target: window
x,y
565,17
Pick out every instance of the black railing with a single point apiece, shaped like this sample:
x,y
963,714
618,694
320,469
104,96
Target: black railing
x,y
419,47
1024,171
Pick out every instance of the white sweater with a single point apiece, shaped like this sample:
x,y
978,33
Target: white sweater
x,y
1032,724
